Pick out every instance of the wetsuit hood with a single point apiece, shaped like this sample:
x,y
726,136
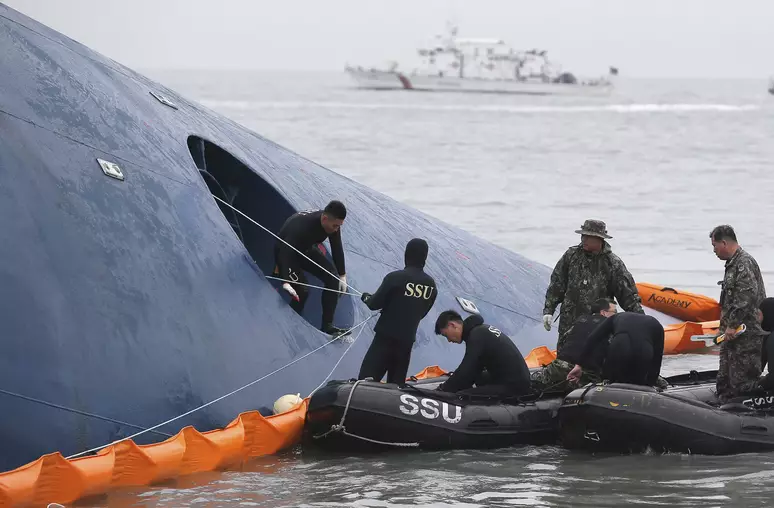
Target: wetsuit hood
x,y
416,253
767,308
470,323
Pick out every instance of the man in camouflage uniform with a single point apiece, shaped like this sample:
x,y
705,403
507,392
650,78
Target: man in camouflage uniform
x,y
554,375
741,294
585,273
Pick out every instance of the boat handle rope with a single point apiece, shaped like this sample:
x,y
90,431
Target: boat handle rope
x,y
340,427
251,383
281,240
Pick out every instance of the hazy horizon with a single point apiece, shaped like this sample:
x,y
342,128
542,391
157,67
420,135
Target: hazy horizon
x,y
656,39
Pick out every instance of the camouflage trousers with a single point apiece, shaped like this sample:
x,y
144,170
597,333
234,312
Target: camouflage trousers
x,y
554,376
565,323
740,366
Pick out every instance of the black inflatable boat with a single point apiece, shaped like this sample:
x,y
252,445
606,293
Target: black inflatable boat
x,y
685,418
364,415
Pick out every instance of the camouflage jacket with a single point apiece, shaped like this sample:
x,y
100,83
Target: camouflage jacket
x,y
742,292
580,278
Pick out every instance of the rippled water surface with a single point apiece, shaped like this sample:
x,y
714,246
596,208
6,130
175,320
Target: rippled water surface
x,y
662,162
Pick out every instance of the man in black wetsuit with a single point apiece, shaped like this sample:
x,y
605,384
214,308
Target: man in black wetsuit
x,y
304,231
488,348
554,375
634,353
405,297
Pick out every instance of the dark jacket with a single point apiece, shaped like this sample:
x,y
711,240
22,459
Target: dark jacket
x,y
405,296
303,230
488,348
767,351
576,339
640,327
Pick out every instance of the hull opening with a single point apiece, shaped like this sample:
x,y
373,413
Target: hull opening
x,y
235,183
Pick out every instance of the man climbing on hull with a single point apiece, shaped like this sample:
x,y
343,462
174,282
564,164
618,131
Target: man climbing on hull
x,y
304,231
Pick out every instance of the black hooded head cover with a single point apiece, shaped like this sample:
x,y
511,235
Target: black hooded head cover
x,y
416,253
767,308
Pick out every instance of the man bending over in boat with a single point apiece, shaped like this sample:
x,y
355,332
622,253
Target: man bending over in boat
x,y
634,353
585,273
405,297
304,230
554,375
766,319
488,348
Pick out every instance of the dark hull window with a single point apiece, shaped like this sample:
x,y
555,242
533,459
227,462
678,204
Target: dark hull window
x,y
235,183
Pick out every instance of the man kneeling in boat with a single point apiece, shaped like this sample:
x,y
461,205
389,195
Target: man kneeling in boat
x,y
554,375
486,348
634,353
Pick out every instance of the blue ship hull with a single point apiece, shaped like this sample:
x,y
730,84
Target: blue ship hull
x,y
138,299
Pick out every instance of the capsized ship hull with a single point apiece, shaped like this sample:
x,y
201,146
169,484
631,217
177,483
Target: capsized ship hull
x,y
126,292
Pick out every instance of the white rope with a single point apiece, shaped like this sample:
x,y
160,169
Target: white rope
x,y
343,355
310,285
281,240
221,397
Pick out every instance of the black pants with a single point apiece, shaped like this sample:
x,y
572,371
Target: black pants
x,y
386,356
628,360
295,273
767,351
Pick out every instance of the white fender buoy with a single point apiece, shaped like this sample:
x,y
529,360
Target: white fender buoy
x,y
286,403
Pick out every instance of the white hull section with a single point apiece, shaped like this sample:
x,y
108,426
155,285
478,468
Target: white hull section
x,y
456,84
390,80
375,79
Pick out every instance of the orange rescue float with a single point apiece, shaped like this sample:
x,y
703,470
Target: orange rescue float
x,y
679,304
54,479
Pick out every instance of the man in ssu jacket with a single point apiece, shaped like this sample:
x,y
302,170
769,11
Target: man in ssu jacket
x,y
405,297
488,348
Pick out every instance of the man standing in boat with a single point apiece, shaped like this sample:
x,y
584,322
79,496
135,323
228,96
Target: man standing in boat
x,y
740,297
304,231
404,297
585,273
555,373
486,349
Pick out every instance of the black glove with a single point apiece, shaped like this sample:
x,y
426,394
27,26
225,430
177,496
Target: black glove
x,y
365,297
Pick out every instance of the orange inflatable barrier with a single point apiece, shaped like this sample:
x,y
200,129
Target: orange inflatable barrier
x,y
711,327
429,373
677,338
540,356
679,304
54,479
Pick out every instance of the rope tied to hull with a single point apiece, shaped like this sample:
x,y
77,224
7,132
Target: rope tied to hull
x,y
309,285
283,241
153,428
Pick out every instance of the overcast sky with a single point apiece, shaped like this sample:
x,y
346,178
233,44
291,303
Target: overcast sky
x,y
644,38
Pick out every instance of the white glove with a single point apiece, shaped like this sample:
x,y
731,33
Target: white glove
x,y
287,287
343,283
547,322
